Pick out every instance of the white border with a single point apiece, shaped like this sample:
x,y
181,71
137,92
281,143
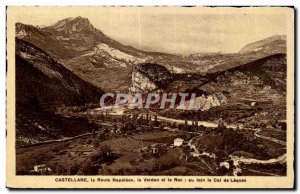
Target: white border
x,y
4,3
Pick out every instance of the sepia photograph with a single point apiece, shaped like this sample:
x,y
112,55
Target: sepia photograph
x,y
129,95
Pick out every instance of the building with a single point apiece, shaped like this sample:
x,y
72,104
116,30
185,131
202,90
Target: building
x,y
240,126
154,150
225,164
81,152
144,149
158,148
170,129
42,168
178,142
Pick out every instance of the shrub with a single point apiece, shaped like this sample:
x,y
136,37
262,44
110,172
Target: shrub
x,y
88,168
103,154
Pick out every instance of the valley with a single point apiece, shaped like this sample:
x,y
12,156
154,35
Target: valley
x,y
62,71
144,143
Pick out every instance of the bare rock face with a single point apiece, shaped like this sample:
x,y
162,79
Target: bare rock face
x,y
148,77
206,102
210,101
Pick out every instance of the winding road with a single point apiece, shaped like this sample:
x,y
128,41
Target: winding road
x,y
268,138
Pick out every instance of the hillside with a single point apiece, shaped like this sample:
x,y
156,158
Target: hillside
x,y
43,82
266,72
271,45
42,85
255,90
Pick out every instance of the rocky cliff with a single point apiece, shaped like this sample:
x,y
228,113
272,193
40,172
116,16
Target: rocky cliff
x,y
206,102
148,77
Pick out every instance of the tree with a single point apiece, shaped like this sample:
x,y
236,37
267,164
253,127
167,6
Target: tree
x,y
74,168
96,144
93,134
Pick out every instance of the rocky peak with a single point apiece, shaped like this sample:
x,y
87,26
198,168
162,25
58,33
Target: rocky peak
x,y
23,30
78,32
77,24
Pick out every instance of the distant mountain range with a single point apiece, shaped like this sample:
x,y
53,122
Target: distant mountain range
x,y
108,64
72,63
271,45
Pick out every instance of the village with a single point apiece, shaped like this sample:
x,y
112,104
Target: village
x,y
133,142
141,137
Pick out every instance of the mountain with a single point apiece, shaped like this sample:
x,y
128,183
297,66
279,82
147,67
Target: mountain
x,y
268,71
93,56
46,84
271,45
252,89
65,39
218,62
68,62
86,51
43,40
255,92
75,34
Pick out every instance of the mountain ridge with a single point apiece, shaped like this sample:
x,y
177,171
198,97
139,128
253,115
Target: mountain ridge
x,y
269,41
102,61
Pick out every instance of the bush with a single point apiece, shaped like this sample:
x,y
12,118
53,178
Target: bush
x,y
96,144
103,154
74,169
168,160
89,168
89,141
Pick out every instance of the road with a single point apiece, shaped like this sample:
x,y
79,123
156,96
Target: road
x,y
237,160
268,138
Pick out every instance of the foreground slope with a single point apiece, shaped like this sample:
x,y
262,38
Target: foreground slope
x,y
41,79
42,85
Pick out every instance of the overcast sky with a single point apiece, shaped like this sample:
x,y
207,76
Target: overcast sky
x,y
173,30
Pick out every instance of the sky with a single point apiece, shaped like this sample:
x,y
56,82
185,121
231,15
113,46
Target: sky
x,y
180,30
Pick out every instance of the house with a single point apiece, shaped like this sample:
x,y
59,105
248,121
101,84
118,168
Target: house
x,y
225,164
43,169
144,149
154,150
171,129
270,127
158,148
81,152
240,126
178,142
139,128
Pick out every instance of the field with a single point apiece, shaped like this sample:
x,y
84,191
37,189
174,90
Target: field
x,y
61,154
